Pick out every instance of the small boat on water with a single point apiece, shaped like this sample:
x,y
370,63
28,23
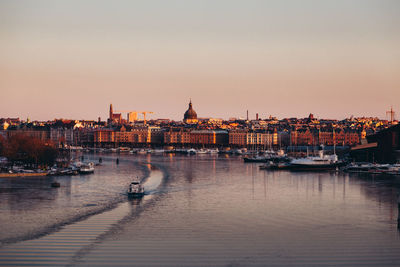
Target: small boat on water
x,y
255,159
86,168
124,149
213,151
136,190
191,151
201,151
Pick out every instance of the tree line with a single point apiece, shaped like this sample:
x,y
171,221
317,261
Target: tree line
x,y
29,151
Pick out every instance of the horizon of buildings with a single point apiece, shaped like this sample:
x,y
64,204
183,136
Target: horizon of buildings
x,y
134,116
352,134
132,130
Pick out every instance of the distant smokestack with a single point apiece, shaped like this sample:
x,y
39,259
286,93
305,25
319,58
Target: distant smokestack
x,y
247,115
111,111
257,116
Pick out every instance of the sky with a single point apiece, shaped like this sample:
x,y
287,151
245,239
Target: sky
x,y
285,58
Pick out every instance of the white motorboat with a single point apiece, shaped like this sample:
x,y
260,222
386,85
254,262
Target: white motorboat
x,y
136,190
201,151
213,151
191,151
86,168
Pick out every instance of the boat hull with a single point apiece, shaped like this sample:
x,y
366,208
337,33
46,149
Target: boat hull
x,y
316,167
86,171
254,160
135,195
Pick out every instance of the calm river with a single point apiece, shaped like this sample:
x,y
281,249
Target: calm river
x,y
200,210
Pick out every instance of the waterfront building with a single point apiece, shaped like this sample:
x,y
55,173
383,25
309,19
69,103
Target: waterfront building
x,y
38,132
238,138
62,132
84,136
329,137
104,137
177,136
387,144
261,139
127,136
209,137
302,136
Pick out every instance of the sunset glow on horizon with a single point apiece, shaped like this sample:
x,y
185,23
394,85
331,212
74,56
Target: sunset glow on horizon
x,y
71,59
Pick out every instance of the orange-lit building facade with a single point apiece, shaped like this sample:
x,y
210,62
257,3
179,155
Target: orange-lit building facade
x,y
176,136
317,137
209,137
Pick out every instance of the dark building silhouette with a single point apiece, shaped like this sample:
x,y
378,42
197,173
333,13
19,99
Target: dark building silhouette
x,y
382,147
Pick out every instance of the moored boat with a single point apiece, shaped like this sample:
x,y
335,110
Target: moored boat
x,y
191,151
255,159
86,168
269,155
318,163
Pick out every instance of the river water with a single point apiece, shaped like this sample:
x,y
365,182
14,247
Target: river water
x,y
200,210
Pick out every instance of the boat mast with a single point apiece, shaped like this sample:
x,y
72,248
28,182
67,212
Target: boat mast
x,y
334,142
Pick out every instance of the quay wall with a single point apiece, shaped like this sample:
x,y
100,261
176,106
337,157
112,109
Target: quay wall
x,y
15,175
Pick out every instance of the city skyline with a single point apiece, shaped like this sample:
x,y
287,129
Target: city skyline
x,y
138,115
281,58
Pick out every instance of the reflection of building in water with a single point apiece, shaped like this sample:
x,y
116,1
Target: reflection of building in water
x,y
189,172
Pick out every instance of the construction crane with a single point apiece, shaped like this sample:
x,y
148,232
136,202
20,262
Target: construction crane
x,y
135,112
144,115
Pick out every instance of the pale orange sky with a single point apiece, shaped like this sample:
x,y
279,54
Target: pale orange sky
x,y
67,59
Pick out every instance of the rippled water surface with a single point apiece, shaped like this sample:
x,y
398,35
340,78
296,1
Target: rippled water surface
x,y
199,211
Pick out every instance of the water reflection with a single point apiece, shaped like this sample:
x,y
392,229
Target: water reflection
x,y
218,211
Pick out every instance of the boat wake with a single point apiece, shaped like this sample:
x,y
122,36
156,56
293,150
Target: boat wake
x,y
153,185
82,212
78,237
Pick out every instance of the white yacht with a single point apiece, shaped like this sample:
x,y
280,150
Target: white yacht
x,y
320,162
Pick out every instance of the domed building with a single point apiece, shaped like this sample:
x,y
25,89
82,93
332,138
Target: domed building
x,y
190,115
